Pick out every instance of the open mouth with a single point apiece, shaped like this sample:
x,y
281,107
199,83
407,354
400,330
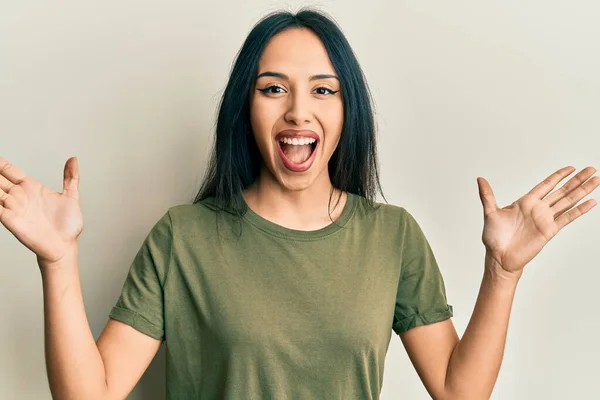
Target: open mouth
x,y
297,153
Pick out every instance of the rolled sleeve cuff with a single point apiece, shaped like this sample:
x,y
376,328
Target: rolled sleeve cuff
x,y
137,321
426,318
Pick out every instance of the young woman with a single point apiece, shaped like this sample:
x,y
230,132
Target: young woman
x,y
284,279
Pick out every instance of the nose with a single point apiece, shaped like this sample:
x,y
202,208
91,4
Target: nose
x,y
299,109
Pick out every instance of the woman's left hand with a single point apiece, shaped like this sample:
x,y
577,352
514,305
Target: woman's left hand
x,y
515,234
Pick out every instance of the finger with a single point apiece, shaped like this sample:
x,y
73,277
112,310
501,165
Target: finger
x,y
5,214
71,178
571,185
11,172
5,184
572,198
3,196
575,213
6,200
486,194
543,188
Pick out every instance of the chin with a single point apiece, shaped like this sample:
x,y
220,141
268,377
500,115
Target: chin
x,y
293,182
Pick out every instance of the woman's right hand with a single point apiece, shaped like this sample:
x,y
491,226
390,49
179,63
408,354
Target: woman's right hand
x,y
46,222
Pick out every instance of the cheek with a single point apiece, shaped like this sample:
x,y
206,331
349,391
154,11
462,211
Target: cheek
x,y
263,117
264,111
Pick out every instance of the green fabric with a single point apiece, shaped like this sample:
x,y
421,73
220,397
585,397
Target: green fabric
x,y
252,310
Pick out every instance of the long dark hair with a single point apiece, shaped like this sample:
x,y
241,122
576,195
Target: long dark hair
x,y
235,160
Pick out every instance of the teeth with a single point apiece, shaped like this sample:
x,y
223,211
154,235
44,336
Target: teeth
x,y
297,141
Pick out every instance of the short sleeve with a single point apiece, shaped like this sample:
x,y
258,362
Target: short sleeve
x,y
141,301
421,295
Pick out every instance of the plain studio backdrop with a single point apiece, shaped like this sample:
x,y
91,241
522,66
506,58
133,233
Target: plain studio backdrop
x,y
509,91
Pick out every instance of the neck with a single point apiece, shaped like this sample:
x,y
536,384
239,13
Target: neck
x,y
306,209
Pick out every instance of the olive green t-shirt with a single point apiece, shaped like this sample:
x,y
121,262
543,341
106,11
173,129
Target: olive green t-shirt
x,y
253,310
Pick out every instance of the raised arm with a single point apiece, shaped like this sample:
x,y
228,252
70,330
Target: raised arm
x,y
468,368
49,223
77,366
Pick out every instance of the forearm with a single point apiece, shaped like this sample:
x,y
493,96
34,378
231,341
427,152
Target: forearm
x,y
475,362
74,365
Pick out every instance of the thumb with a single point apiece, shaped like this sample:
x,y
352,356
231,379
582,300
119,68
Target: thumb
x,y
486,194
71,178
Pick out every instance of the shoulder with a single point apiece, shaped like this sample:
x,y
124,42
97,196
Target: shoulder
x,y
199,209
382,219
379,211
200,219
388,218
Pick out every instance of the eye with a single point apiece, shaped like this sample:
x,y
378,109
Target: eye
x,y
331,92
268,89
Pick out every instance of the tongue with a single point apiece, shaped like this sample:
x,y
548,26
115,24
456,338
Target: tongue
x,y
297,154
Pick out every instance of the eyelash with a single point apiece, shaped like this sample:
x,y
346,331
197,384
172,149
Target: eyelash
x,y
266,90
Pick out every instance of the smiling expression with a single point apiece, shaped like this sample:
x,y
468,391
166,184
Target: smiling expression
x,y
296,109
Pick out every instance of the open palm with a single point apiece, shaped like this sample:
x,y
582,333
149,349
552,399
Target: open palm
x,y
45,221
515,234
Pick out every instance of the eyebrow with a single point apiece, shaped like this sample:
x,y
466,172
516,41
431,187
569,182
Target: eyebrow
x,y
284,76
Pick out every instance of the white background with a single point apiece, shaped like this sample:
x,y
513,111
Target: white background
x,y
505,90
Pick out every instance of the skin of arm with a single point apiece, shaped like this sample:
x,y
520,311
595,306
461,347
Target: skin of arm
x,y
77,366
73,362
465,369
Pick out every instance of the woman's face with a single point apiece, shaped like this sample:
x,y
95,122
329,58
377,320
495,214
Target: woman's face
x,y
296,109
